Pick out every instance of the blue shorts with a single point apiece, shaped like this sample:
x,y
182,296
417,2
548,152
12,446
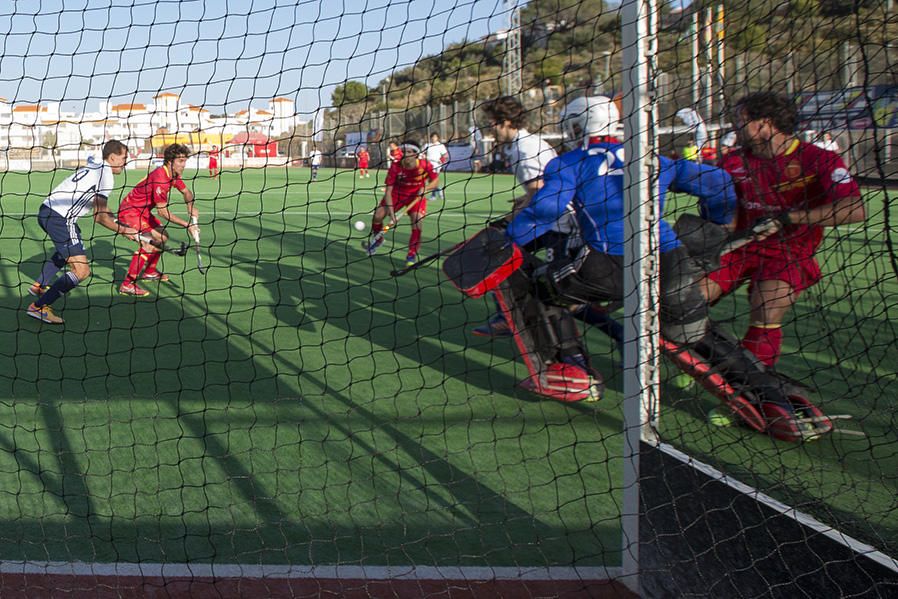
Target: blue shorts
x,y
66,235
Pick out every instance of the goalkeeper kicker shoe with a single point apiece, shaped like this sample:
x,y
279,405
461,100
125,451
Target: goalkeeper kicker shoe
x,y
566,382
132,289
44,314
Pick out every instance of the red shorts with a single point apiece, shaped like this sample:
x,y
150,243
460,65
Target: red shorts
x,y
741,265
363,165
399,204
142,221
213,163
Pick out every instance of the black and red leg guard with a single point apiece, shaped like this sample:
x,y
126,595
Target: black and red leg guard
x,y
763,400
545,336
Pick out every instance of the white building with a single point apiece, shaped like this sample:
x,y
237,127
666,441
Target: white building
x,y
25,127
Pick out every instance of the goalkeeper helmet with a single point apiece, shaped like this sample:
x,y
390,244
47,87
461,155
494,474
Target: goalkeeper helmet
x,y
593,116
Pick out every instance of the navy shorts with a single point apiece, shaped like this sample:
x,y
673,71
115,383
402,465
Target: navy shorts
x,y
66,235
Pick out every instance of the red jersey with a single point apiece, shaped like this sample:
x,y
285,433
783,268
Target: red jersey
x,y
152,191
407,183
363,158
804,177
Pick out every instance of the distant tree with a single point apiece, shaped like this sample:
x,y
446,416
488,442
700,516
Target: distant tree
x,y
349,93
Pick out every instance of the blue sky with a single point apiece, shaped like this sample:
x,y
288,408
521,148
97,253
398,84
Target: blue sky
x,y
225,55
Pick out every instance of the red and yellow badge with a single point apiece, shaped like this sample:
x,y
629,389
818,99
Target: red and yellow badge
x,y
792,170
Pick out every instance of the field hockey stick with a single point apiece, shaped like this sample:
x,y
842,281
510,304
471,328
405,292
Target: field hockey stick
x,y
387,227
424,261
159,245
195,233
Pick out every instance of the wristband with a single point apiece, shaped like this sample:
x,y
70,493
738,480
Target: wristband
x,y
785,219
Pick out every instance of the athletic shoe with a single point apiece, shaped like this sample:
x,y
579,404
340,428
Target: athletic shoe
x,y
410,260
566,382
132,289
44,314
496,326
37,290
155,276
371,248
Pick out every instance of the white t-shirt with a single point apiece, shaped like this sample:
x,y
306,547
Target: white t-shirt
x,y
74,197
315,158
528,154
434,154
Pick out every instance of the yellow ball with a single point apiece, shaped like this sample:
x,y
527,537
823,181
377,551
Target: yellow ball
x,y
721,416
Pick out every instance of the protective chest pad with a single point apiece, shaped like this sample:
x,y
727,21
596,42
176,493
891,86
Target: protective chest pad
x,y
484,261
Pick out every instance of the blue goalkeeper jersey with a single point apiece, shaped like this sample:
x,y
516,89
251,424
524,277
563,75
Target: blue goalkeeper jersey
x,y
592,180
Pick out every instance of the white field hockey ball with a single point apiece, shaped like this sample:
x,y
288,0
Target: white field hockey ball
x,y
359,225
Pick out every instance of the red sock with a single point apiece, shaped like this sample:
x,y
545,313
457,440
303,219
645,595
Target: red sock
x,y
137,263
414,242
152,261
764,342
376,227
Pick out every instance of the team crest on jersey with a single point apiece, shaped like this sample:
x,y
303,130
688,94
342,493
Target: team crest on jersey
x,y
793,169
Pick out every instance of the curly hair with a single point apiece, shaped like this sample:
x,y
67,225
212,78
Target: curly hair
x,y
506,108
175,151
779,109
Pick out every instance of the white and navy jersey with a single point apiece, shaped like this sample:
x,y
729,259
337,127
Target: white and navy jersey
x,y
434,154
74,197
315,158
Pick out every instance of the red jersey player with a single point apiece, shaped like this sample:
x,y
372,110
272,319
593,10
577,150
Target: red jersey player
x,y
362,156
805,188
135,211
406,185
213,162
395,154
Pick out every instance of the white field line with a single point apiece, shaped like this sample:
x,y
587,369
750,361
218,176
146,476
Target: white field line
x,y
309,572
790,512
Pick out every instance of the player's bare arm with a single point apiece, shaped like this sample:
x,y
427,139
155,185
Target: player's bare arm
x,y
103,216
189,202
388,204
522,201
841,212
165,213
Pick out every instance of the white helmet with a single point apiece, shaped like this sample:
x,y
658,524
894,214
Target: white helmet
x,y
586,117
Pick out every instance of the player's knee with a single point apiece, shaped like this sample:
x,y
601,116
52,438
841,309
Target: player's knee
x,y
81,270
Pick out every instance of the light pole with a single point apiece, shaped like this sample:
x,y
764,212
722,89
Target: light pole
x,y
600,85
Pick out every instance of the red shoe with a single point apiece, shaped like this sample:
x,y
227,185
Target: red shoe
x,y
155,276
565,382
132,289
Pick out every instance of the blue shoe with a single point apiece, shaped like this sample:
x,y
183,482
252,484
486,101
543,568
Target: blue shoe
x,y
410,260
496,326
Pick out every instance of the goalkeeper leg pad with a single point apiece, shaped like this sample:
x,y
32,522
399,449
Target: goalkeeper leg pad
x,y
763,400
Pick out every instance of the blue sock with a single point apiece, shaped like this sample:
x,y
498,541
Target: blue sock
x,y
61,286
52,266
